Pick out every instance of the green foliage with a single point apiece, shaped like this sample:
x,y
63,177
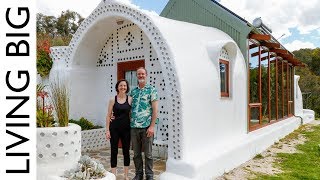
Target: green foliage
x,y
310,78
44,118
40,87
46,24
302,165
44,63
59,96
84,124
68,22
59,29
258,156
44,113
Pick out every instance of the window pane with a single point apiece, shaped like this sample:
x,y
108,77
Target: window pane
x,y
131,77
254,76
223,83
285,89
280,110
291,90
273,89
264,89
254,116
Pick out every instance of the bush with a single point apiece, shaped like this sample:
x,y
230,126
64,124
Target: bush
x,y
87,168
84,124
44,61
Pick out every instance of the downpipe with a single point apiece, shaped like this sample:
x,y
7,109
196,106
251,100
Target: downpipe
x,y
301,119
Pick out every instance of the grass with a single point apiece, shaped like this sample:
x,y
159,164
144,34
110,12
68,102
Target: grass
x,y
60,100
258,156
302,165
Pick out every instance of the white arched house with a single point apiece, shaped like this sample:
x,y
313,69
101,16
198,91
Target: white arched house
x,y
200,75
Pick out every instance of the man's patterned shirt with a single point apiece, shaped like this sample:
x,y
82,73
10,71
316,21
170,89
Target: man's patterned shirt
x,y
141,108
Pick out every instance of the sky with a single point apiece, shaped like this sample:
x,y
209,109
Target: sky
x,y
295,23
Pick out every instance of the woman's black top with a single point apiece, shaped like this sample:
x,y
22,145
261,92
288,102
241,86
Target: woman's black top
x,y
121,112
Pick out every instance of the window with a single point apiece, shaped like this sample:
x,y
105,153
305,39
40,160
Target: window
x,y
270,81
224,77
224,73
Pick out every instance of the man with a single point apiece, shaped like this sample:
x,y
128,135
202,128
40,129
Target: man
x,y
143,118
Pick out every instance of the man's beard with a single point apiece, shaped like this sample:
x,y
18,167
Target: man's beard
x,y
141,80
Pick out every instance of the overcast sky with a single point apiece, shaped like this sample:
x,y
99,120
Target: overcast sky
x,y
298,20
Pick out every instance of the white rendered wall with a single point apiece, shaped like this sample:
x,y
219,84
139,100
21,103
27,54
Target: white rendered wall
x,y
93,81
307,115
204,130
298,103
235,152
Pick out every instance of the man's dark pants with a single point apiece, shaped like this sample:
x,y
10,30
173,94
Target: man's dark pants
x,y
140,140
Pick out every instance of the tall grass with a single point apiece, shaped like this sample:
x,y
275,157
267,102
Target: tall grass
x,y
59,96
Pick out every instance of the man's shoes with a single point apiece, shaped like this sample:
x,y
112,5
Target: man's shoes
x,y
138,177
149,178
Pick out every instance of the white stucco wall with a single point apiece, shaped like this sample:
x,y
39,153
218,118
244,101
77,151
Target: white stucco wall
x,y
206,134
298,103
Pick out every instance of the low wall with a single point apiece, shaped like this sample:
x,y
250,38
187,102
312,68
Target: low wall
x,y
95,139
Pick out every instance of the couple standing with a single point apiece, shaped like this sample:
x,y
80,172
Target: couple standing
x,y
133,117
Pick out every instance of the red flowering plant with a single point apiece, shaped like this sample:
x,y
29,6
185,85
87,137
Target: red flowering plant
x,y
44,61
44,112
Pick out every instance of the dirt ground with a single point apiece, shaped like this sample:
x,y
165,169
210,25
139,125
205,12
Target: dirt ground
x,y
263,163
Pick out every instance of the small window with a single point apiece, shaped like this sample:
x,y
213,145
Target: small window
x,y
224,78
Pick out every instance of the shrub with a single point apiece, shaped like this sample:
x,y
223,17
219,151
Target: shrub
x,y
87,168
44,61
84,124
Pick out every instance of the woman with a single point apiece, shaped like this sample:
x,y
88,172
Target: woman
x,y
118,125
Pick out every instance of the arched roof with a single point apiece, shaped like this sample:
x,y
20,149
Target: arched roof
x,y
186,53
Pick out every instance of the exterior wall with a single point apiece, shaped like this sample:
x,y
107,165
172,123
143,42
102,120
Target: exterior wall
x,y
306,115
206,134
208,13
99,76
91,69
233,153
298,103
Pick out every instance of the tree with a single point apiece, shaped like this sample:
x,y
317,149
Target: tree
x,y
60,29
46,25
68,23
310,77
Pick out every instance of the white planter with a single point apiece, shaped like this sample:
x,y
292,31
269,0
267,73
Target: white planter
x,y
58,149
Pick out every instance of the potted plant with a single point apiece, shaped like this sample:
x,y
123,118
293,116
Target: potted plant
x,y
88,168
44,113
59,143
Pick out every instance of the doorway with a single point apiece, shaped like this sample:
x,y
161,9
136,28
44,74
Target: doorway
x,y
128,70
